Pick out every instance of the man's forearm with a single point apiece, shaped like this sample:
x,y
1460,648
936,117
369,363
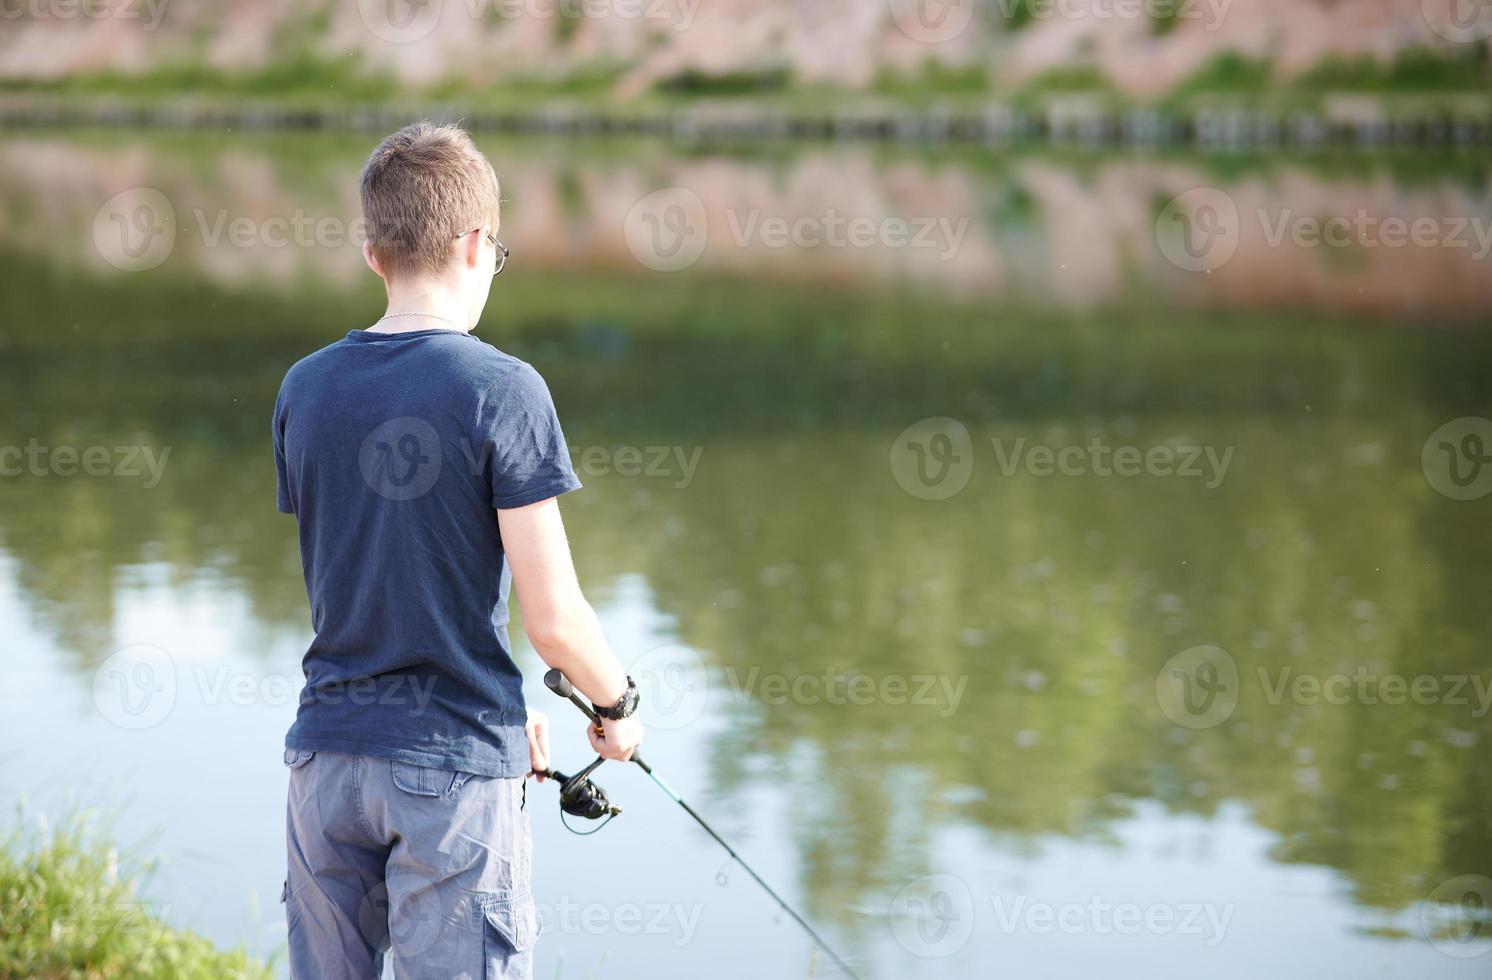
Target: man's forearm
x,y
575,645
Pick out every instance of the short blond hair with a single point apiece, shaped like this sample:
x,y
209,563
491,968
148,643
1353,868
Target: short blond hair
x,y
423,187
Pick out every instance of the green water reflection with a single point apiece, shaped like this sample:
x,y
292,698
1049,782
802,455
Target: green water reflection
x,y
1052,600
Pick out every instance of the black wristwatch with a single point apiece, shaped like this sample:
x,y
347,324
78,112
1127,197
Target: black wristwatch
x,y
624,707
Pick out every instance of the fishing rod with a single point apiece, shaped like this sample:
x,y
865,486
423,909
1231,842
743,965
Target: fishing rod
x,y
581,797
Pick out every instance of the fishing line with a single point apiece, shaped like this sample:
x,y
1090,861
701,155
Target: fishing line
x,y
581,797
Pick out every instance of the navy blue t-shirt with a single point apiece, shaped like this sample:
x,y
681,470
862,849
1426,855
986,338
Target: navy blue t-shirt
x,y
394,450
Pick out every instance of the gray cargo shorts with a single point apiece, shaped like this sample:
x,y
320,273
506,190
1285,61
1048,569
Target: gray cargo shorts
x,y
430,869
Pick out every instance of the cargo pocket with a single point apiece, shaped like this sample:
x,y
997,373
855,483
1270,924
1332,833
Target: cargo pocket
x,y
424,781
510,928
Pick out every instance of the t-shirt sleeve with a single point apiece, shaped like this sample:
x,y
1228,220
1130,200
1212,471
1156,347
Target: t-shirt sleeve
x,y
282,479
530,460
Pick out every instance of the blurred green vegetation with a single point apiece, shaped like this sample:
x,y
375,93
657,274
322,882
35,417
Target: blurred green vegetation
x,y
1231,73
73,911
1454,81
1413,69
933,77
1416,82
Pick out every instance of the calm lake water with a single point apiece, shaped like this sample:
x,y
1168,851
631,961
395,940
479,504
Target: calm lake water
x,y
1020,596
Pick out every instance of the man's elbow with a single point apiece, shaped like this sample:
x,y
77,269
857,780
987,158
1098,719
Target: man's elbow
x,y
558,634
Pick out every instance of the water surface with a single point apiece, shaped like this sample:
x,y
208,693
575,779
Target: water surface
x,y
923,701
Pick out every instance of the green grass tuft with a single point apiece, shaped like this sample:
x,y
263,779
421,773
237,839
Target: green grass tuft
x,y
1411,70
1230,72
70,911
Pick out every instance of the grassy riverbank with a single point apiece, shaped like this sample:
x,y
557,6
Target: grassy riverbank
x,y
73,909
1417,97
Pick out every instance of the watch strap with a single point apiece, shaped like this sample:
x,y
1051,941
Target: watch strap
x,y
624,707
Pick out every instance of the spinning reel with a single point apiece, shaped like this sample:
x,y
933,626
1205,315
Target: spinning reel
x,y
580,797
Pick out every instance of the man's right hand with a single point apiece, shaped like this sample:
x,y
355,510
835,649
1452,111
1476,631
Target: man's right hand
x,y
621,739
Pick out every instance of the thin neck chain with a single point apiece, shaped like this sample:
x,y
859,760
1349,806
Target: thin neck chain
x,y
432,316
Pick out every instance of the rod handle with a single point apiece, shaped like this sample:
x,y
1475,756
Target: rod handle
x,y
557,682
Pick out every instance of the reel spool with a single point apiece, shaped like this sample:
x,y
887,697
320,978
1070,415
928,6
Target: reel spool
x,y
581,797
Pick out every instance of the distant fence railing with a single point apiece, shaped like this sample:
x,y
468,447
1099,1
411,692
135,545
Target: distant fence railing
x,y
1353,123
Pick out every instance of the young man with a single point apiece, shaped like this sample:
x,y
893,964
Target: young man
x,y
422,466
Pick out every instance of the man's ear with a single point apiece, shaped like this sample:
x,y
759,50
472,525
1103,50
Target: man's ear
x,y
372,259
471,248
